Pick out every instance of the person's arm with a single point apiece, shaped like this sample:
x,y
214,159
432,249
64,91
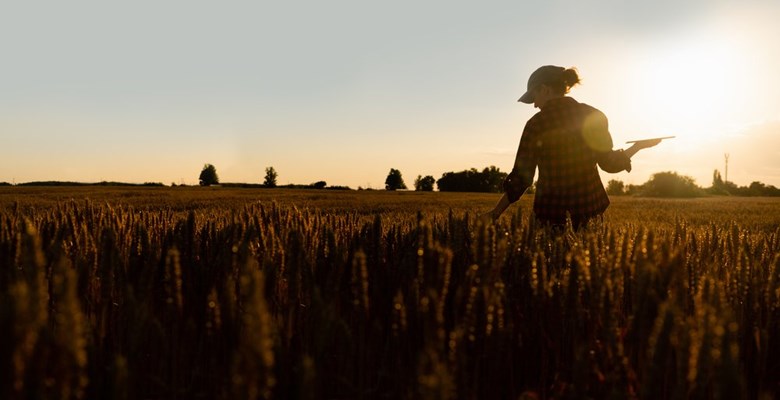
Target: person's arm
x,y
521,177
615,161
597,137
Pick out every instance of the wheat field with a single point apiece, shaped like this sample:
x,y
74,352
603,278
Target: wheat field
x,y
218,293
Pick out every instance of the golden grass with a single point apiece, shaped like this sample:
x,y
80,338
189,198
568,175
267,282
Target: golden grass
x,y
251,293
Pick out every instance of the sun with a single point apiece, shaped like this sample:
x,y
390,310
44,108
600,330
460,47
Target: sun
x,y
693,84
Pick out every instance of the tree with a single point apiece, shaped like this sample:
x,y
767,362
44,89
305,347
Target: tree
x,y
270,177
718,186
493,179
717,180
319,185
670,184
208,176
756,189
394,180
633,190
424,184
615,187
472,180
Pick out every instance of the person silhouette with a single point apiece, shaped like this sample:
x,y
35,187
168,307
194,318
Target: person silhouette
x,y
566,140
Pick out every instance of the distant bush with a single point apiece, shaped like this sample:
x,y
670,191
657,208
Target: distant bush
x,y
5,184
615,188
717,190
760,189
633,190
489,180
424,184
721,187
670,184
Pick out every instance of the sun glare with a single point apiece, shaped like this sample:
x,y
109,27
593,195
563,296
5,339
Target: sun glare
x,y
693,86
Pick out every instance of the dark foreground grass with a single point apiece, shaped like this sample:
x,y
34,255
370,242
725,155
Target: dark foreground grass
x,y
235,293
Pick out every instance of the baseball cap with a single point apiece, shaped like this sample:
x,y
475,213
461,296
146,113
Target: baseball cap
x,y
542,75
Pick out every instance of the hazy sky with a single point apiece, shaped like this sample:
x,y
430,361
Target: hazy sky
x,y
342,91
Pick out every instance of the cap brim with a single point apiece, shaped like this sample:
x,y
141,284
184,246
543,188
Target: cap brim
x,y
527,97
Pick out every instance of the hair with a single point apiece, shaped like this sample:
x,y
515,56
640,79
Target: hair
x,y
567,79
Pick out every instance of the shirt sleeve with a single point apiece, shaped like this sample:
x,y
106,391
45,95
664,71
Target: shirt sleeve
x,y
522,175
596,135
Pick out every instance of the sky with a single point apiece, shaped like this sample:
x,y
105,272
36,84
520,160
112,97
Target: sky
x,y
343,91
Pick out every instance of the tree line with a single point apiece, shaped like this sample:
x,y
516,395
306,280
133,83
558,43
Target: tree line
x,y
209,177
488,180
661,184
672,184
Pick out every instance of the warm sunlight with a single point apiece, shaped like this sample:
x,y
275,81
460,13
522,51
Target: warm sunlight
x,y
694,86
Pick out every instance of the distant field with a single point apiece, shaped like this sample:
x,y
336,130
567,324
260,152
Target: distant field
x,y
755,211
194,198
221,293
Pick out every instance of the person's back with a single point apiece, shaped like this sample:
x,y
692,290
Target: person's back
x,y
568,140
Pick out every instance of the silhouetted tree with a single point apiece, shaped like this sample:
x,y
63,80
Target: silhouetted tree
x,y
633,190
472,180
270,177
615,187
670,184
756,189
718,186
394,180
424,184
717,180
494,179
771,190
319,185
208,176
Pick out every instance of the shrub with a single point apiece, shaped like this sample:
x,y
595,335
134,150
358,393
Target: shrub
x,y
670,184
615,188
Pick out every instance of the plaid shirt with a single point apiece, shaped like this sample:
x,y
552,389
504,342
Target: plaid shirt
x,y
566,140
